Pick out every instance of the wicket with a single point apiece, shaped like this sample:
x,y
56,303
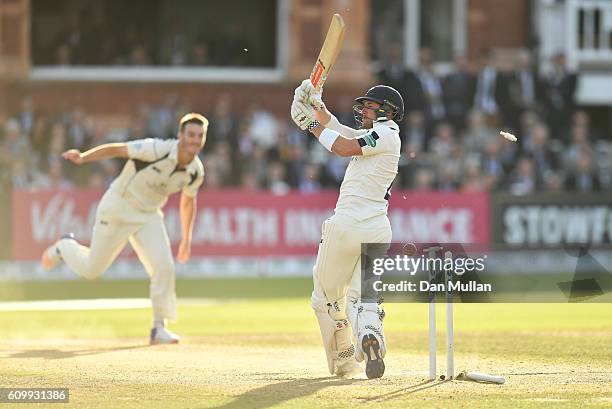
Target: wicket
x,y
448,278
450,330
450,335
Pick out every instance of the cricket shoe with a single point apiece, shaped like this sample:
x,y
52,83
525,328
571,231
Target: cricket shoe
x,y
346,364
51,257
375,366
160,335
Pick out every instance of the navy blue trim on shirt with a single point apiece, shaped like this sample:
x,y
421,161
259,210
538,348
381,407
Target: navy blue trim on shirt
x,y
193,177
141,164
362,141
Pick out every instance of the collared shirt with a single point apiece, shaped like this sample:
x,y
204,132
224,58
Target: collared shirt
x,y
152,174
485,90
365,190
527,87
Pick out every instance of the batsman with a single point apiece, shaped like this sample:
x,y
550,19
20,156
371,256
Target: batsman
x,y
360,217
130,210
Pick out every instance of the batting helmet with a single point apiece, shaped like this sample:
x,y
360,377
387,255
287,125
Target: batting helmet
x,y
391,102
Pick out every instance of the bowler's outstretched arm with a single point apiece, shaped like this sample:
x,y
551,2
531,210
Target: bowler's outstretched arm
x,y
105,151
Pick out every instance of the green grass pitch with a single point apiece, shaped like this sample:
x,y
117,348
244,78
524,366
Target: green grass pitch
x,y
255,344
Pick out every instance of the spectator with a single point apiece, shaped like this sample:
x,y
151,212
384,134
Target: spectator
x,y
79,131
603,163
223,159
69,41
448,177
263,127
139,56
492,164
414,134
199,54
173,48
22,175
523,90
296,164
553,182
63,56
473,180
411,160
459,88
487,88
15,149
27,117
426,91
529,119
559,91
477,133
107,52
213,179
276,179
393,73
583,179
223,123
523,180
345,112
162,119
443,143
257,148
55,178
39,139
249,182
89,50
581,118
580,144
257,163
310,181
137,129
540,150
424,180
335,168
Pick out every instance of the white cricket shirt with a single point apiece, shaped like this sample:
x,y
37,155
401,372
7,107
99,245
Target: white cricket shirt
x,y
152,174
365,190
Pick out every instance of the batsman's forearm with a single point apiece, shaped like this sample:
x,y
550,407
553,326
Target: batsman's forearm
x,y
323,116
344,130
187,214
106,151
341,146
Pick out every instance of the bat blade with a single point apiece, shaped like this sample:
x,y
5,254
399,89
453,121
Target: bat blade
x,y
329,51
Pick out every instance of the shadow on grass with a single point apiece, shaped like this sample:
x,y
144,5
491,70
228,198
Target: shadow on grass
x,y
404,391
63,354
274,394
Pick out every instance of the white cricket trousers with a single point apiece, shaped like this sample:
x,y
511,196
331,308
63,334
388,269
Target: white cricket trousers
x,y
338,267
116,223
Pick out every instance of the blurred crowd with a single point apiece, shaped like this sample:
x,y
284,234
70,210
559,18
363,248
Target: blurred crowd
x,y
450,136
93,36
135,47
451,130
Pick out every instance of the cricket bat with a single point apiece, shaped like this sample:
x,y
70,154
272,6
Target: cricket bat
x,y
329,52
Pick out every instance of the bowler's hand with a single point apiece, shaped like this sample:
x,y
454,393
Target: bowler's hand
x,y
74,156
184,251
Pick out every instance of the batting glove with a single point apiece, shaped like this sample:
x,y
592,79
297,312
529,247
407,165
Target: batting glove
x,y
307,94
302,114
